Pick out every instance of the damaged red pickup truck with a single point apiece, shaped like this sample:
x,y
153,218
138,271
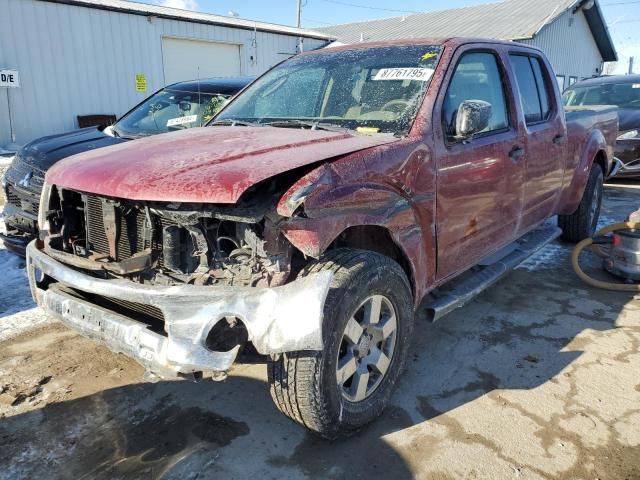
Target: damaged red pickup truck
x,y
341,193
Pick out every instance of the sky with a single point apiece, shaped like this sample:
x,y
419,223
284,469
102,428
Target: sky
x,y
622,16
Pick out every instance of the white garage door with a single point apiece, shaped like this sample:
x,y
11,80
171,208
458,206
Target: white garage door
x,y
183,58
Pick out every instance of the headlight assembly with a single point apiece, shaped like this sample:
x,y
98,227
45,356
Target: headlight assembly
x,y
631,134
43,222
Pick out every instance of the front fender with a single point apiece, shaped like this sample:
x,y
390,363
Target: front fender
x,y
572,194
322,205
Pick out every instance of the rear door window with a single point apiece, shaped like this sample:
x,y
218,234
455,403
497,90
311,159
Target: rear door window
x,y
543,93
534,94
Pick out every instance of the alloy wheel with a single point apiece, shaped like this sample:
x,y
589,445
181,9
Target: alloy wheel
x,y
367,348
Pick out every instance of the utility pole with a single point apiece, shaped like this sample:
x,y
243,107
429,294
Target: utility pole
x,y
299,23
630,65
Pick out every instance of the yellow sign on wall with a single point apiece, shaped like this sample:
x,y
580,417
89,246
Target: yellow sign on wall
x,y
141,82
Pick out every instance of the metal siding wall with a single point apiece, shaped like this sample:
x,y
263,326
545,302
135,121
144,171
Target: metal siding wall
x,y
571,49
77,61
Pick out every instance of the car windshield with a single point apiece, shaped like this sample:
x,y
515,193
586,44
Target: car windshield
x,y
170,110
369,90
624,95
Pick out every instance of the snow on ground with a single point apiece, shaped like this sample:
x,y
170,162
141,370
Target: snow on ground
x,y
5,161
556,252
17,310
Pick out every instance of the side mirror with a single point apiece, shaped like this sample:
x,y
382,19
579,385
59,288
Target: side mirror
x,y
473,117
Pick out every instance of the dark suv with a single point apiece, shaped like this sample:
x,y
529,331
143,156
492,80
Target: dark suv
x,y
622,91
175,107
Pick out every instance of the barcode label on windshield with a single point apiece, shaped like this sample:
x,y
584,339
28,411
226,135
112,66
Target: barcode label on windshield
x,y
181,120
421,74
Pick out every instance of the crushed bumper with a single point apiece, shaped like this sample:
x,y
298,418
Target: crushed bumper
x,y
18,225
278,320
16,243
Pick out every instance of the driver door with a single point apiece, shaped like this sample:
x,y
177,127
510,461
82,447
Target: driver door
x,y
480,180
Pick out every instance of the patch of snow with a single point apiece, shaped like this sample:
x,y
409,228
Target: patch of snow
x,y
18,312
6,161
546,258
555,253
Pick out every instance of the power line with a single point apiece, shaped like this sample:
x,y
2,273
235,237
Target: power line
x,y
630,21
307,19
349,4
620,3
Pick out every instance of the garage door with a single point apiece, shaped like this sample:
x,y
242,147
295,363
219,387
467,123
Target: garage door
x,y
182,59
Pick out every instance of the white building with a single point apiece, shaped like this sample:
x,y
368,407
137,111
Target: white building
x,y
83,57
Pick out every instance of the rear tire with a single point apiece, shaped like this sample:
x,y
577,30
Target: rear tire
x,y
582,223
368,320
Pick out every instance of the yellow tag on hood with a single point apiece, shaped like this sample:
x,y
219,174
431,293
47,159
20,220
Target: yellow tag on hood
x,y
369,130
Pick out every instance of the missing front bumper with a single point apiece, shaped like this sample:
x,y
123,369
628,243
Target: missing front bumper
x,y
278,320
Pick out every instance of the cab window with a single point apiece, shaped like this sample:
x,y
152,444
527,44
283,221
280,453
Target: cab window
x,y
476,77
534,95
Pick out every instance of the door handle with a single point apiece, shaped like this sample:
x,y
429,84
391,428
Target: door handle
x,y
516,153
558,139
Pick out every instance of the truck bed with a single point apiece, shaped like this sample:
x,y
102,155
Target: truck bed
x,y
582,120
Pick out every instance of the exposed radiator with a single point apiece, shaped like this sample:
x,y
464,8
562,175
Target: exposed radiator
x,y
127,245
131,240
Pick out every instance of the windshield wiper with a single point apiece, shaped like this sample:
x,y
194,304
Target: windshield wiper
x,y
233,123
308,124
116,134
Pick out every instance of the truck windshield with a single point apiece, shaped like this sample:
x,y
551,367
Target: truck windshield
x,y
624,95
169,110
371,90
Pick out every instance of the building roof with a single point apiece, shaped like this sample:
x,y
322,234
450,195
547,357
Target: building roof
x,y
148,10
507,20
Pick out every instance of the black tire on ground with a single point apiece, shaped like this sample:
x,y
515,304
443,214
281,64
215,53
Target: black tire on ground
x,y
304,384
582,223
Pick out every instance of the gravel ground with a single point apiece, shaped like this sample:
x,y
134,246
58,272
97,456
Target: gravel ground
x,y
536,378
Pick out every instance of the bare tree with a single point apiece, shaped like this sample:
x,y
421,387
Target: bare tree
x,y
609,68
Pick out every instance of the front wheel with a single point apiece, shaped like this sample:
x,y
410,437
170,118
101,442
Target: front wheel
x,y
368,319
583,222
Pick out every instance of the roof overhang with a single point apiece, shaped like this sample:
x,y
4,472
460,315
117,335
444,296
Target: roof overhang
x,y
146,10
598,25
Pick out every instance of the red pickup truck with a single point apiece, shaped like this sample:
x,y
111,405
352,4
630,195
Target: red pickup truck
x,y
340,194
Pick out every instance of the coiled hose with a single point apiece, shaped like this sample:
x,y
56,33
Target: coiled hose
x,y
622,287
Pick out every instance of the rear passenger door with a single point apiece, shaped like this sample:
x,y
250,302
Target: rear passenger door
x,y
480,182
545,143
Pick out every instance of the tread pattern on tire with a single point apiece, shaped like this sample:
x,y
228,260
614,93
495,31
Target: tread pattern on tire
x,y
295,378
573,226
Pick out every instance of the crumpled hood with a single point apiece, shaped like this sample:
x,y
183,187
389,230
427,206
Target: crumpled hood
x,y
208,164
43,152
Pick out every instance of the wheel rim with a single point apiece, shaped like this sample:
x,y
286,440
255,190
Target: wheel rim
x,y
367,348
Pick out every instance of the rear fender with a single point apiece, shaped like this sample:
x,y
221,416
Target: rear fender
x,y
595,145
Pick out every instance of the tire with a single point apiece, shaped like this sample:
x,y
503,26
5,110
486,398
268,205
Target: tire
x,y
304,384
582,223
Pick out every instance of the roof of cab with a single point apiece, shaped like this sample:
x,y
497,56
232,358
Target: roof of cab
x,y
219,85
444,41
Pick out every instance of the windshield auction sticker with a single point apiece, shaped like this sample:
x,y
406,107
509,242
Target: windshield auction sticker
x,y
421,74
172,122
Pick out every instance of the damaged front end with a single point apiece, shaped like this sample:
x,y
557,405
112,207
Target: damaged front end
x,y
179,287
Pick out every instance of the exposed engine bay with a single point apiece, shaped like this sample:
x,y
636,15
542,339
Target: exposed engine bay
x,y
169,244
